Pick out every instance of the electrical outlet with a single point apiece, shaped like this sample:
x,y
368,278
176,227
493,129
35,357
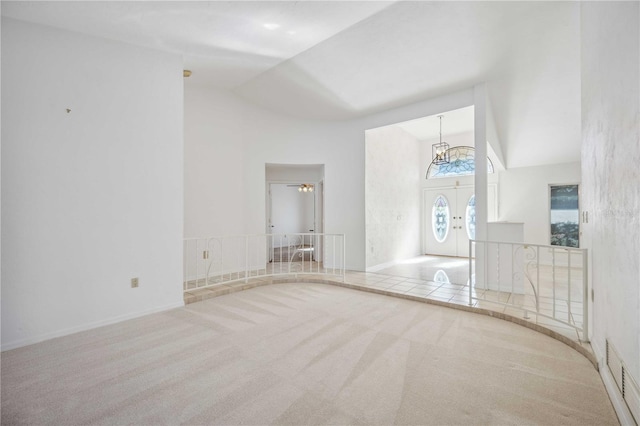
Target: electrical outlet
x,y
134,282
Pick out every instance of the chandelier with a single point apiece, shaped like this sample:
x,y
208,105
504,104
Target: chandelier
x,y
440,150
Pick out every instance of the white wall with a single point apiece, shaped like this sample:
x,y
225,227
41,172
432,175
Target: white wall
x,y
93,197
294,173
392,195
274,138
258,137
524,197
611,180
214,166
241,140
0,176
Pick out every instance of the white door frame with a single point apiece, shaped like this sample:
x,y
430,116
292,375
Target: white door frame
x,y
318,197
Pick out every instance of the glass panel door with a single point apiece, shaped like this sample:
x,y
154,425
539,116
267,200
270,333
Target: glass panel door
x,y
440,218
470,218
439,236
465,218
450,217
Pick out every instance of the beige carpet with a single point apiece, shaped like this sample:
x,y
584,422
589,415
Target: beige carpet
x,y
304,354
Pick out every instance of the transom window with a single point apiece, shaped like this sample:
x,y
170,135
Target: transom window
x,y
461,163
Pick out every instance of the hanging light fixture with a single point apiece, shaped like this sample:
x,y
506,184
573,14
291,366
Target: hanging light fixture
x,y
440,150
305,187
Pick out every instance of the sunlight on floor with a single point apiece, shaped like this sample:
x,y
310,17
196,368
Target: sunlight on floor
x,y
450,276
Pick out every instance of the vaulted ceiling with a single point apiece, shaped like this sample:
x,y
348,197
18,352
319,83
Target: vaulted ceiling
x,y
339,60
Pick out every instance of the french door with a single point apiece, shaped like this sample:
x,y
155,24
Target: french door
x,y
450,220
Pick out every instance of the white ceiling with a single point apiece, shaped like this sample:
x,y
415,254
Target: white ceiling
x,y
338,60
453,122
225,43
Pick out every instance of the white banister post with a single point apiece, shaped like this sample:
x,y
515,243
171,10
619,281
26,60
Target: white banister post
x,y
344,257
480,100
569,315
470,273
246,259
585,295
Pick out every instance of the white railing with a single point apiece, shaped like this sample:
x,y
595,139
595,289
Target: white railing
x,y
550,281
218,260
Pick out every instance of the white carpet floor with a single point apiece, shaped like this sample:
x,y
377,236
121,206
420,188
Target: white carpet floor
x,y
304,354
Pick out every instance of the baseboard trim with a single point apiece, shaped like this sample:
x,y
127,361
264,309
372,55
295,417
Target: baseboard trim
x,y
60,333
619,405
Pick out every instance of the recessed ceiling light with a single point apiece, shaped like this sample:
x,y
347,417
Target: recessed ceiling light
x,y
271,26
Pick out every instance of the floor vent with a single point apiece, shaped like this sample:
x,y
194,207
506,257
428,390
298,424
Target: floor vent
x,y
627,386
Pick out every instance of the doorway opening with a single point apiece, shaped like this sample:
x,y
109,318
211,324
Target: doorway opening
x,y
295,211
402,188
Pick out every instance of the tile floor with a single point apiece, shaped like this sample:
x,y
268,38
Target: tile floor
x,y
439,279
447,279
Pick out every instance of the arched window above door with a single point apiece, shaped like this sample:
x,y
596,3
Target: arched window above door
x,y
461,163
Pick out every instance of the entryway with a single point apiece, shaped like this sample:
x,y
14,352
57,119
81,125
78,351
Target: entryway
x,y
450,219
292,214
294,211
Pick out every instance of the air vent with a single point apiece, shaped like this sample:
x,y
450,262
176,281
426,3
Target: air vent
x,y
615,365
627,386
632,397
